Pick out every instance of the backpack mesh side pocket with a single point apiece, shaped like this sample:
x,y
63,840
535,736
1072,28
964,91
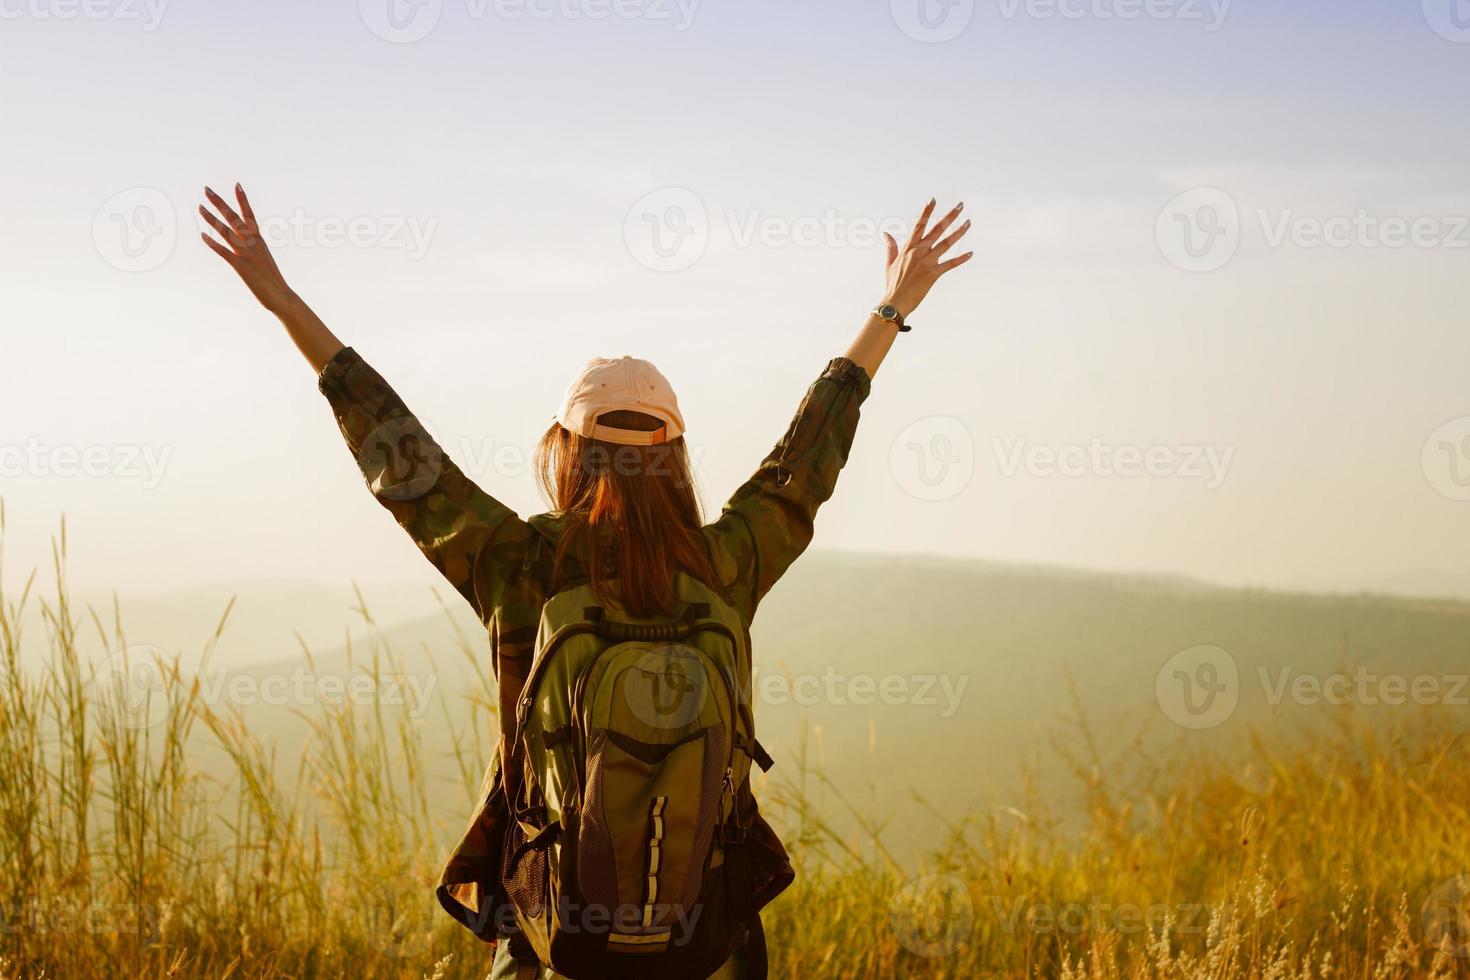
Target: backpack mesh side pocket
x,y
524,880
597,868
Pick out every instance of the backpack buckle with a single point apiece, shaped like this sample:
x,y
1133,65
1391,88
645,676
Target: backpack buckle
x,y
731,831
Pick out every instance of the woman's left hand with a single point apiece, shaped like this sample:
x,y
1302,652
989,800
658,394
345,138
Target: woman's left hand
x,y
914,269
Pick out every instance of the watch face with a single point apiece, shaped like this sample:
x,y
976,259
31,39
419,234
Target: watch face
x,y
888,312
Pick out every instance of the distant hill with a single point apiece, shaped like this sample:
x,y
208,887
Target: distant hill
x,y
267,620
942,677
1426,582
899,674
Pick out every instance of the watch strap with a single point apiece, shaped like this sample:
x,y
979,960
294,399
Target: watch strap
x,y
896,318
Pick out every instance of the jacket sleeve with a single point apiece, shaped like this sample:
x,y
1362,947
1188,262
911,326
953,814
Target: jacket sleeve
x,y
475,541
768,522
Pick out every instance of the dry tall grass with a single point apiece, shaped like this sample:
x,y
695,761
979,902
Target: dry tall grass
x,y
1345,854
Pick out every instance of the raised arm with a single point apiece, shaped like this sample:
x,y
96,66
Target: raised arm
x,y
912,272
769,521
474,540
246,252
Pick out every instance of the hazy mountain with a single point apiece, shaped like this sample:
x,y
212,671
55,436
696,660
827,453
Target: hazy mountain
x,y
266,621
942,677
1422,582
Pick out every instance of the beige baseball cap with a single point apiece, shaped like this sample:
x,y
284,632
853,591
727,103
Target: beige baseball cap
x,y
623,384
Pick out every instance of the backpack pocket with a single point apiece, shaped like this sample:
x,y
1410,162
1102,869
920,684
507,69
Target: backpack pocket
x,y
525,874
658,753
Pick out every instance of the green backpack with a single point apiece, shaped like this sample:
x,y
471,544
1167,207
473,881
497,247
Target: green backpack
x,y
631,814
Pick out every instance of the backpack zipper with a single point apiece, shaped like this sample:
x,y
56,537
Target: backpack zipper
x,y
528,690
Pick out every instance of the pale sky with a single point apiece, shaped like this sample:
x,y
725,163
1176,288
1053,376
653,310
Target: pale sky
x,y
1253,405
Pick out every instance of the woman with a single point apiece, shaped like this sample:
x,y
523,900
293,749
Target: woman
x,y
625,518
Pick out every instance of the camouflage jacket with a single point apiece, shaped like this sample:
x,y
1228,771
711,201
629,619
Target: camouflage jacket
x,y
502,564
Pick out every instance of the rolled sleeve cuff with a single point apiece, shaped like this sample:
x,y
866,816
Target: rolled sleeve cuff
x,y
334,375
849,373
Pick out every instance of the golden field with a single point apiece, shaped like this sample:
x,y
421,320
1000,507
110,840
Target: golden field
x,y
172,837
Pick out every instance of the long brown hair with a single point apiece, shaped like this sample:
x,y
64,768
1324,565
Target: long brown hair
x,y
639,500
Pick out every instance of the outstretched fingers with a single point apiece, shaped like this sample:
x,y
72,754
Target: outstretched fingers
x,y
943,226
237,230
218,249
230,235
955,262
227,212
948,243
245,208
235,237
920,226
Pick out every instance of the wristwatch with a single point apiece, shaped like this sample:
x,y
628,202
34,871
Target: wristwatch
x,y
891,314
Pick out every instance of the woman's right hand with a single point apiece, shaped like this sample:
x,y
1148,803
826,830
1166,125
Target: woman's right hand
x,y
245,250
249,256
